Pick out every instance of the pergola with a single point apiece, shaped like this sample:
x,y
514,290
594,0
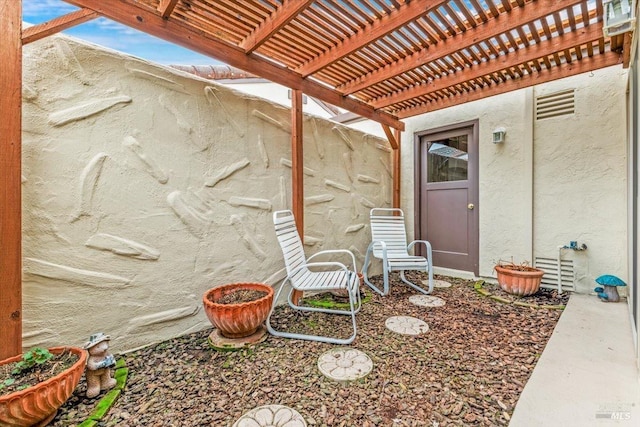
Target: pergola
x,y
384,60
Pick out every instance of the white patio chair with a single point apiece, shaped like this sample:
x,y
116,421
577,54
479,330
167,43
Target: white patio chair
x,y
303,275
389,243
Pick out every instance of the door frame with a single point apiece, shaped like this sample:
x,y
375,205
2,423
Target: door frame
x,y
473,176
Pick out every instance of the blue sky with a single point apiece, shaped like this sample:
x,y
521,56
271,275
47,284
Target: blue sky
x,y
113,35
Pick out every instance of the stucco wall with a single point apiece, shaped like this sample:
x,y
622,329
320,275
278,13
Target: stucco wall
x,y
580,177
143,187
552,181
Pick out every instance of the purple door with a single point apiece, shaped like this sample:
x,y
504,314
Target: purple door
x,y
447,195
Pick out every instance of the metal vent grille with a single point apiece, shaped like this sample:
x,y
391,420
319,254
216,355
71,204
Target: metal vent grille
x,y
550,268
555,104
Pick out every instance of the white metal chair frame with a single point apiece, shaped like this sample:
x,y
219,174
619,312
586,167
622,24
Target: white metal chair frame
x,y
300,277
389,243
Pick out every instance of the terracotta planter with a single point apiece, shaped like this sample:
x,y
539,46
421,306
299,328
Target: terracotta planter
x,y
520,282
237,320
37,405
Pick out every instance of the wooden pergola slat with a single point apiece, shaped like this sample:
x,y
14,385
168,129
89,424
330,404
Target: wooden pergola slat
x,y
562,71
520,56
403,15
517,17
166,7
290,9
132,14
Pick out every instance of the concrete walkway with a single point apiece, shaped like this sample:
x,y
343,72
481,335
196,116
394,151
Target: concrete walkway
x,y
587,374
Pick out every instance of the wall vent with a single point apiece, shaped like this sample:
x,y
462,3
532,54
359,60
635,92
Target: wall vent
x,y
550,268
555,104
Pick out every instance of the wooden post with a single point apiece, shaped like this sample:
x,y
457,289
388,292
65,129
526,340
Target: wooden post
x,y
396,170
297,164
394,141
10,178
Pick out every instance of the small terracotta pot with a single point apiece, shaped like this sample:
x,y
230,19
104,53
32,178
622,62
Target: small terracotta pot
x,y
237,320
37,405
518,282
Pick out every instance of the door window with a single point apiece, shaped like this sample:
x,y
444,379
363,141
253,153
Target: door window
x,y
447,159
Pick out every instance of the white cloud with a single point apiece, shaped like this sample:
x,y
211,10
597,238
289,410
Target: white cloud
x,y
35,8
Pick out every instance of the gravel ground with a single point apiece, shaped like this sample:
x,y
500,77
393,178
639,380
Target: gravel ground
x,y
468,369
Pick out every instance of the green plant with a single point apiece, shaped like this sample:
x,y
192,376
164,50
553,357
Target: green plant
x,y
7,382
35,357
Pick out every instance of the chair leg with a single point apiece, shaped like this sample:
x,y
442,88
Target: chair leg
x,y
309,337
365,274
385,275
416,287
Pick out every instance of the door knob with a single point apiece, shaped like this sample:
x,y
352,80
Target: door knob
x,y
470,206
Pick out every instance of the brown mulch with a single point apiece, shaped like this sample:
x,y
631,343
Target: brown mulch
x,y
468,369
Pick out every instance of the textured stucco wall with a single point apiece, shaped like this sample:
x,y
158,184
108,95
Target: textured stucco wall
x,y
580,177
552,181
143,187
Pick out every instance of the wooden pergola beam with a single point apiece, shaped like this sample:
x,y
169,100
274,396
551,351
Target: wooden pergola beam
x,y
138,16
529,12
58,24
285,14
166,8
404,14
10,178
567,69
390,137
570,40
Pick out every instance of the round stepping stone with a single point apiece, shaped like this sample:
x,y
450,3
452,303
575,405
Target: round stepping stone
x,y
437,283
271,416
344,364
406,325
426,301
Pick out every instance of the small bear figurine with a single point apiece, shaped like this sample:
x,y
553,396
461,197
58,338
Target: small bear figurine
x,y
100,361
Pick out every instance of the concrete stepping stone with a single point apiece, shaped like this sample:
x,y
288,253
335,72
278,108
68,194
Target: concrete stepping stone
x,y
426,301
437,283
270,416
406,325
344,364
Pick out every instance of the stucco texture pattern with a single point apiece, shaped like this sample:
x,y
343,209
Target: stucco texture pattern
x,y
143,187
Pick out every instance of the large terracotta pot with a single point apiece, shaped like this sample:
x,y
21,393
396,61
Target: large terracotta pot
x,y
520,281
237,320
37,405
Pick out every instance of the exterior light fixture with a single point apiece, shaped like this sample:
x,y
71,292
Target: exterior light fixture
x,y
619,17
498,135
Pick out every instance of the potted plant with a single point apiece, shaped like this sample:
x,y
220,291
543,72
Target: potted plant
x,y
518,279
34,385
238,309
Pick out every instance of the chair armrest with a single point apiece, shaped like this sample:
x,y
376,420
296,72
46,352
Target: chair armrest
x,y
336,251
383,246
425,243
